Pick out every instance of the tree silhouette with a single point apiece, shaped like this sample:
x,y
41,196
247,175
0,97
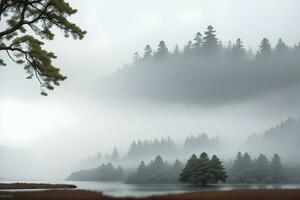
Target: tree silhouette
x,y
115,155
264,48
247,167
39,17
176,52
162,51
237,168
187,51
210,41
148,53
238,49
219,170
276,169
281,47
198,43
188,169
136,58
203,170
261,168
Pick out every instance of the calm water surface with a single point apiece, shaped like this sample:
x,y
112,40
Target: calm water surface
x,y
140,190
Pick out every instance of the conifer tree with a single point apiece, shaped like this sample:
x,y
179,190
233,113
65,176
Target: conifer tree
x,y
238,49
281,47
203,170
264,48
262,168
247,167
198,43
219,170
115,155
188,169
276,169
148,53
187,51
136,58
141,171
176,52
27,24
158,162
210,41
237,168
162,51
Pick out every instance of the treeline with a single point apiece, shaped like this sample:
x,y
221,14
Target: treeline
x,y
149,148
198,170
102,173
201,142
234,71
258,170
202,170
157,171
144,149
202,47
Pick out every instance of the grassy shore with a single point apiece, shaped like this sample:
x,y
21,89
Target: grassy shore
x,y
6,186
272,194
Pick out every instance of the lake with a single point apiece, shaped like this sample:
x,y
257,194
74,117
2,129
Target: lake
x,y
120,189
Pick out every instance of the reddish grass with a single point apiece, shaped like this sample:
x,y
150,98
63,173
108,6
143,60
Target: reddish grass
x,y
220,195
35,186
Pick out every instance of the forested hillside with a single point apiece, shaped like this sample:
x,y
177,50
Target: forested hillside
x,y
147,149
206,71
283,138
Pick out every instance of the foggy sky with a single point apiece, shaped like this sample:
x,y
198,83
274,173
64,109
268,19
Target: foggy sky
x,y
75,120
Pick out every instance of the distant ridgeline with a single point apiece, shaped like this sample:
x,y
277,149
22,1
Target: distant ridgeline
x,y
147,149
284,138
206,71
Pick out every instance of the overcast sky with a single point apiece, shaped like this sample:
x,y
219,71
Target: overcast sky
x,y
74,118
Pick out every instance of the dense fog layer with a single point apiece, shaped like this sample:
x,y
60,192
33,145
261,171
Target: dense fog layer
x,y
110,100
206,72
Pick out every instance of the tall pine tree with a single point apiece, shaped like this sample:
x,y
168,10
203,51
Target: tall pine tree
x,y
261,168
281,47
264,49
162,51
197,45
276,169
210,41
238,50
148,53
219,170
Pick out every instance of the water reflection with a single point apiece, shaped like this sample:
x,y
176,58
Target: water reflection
x,y
120,189
139,190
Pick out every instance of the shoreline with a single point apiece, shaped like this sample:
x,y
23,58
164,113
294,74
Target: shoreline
x,y
24,186
247,194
